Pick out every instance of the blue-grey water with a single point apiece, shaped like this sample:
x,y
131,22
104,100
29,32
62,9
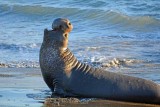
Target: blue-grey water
x,y
119,36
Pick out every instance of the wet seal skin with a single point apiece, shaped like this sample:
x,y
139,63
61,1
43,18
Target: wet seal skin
x,y
67,77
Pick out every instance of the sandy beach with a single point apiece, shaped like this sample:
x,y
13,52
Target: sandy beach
x,y
24,87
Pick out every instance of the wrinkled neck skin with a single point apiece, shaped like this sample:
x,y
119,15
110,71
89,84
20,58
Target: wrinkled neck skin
x,y
54,51
58,40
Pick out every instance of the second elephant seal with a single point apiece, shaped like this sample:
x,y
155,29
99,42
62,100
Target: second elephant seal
x,y
66,76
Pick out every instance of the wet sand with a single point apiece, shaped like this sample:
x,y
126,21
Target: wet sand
x,y
24,87
72,102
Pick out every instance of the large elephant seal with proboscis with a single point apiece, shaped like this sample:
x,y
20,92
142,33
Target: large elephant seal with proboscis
x,y
68,77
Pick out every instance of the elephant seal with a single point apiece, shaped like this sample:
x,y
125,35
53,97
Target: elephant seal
x,y
68,77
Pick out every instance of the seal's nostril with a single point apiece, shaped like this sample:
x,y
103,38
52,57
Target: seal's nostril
x,y
65,35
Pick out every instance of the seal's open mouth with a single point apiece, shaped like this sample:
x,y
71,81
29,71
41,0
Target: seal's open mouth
x,y
54,30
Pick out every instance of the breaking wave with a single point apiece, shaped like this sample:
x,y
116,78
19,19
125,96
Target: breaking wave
x,y
99,15
19,47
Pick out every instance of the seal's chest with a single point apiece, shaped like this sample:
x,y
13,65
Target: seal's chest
x,y
49,57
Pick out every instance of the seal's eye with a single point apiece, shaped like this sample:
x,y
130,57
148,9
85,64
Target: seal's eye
x,y
69,23
60,26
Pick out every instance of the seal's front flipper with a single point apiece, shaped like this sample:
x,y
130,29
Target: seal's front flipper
x,y
60,92
64,95
55,95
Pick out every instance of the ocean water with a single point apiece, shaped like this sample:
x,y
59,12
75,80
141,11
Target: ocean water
x,y
119,36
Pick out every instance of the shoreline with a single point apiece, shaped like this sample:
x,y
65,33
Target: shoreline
x,y
21,87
